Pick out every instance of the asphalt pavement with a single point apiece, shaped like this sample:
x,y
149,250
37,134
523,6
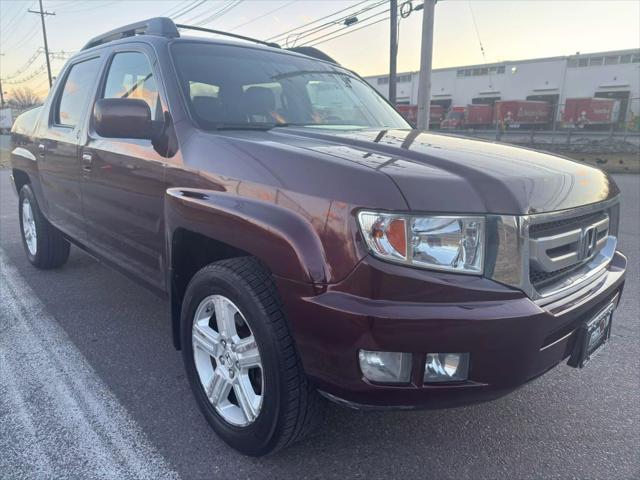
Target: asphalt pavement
x,y
91,387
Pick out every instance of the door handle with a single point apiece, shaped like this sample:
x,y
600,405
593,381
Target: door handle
x,y
87,159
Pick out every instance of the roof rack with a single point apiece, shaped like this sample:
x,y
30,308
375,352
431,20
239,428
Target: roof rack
x,y
165,27
227,34
159,26
162,27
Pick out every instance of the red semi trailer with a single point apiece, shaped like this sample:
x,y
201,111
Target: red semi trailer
x,y
513,113
478,115
583,112
410,113
454,118
522,113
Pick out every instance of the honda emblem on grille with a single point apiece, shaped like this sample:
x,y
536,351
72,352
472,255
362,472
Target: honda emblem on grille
x,y
588,242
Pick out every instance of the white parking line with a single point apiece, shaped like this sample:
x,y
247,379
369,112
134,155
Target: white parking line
x,y
57,418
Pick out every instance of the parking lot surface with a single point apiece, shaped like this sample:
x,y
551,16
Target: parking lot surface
x,y
91,387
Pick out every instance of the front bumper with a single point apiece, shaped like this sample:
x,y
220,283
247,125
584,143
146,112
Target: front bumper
x,y
511,339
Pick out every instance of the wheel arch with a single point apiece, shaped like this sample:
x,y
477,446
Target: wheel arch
x,y
20,178
205,226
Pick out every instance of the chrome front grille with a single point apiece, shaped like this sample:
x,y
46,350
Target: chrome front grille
x,y
551,256
541,278
569,249
553,227
557,247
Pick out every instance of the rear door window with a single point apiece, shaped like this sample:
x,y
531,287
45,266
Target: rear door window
x,y
75,92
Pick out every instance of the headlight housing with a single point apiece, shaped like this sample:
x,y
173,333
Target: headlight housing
x,y
450,243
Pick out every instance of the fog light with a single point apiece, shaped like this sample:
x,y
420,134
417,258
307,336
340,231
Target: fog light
x,y
446,367
385,367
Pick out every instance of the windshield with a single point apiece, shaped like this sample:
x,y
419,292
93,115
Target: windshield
x,y
237,87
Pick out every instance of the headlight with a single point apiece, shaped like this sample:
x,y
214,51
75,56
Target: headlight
x,y
450,243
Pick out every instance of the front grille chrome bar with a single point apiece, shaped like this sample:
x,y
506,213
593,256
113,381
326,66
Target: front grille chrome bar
x,y
565,249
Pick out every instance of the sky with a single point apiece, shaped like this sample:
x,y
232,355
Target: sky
x,y
507,29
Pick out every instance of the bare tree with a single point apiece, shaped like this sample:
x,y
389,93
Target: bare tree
x,y
24,98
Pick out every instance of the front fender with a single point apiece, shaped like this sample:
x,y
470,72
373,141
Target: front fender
x,y
283,239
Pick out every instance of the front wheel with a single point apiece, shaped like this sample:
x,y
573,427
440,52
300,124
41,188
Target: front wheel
x,y
43,243
241,360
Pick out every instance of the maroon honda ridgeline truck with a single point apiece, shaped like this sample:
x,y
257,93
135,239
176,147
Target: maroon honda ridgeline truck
x,y
309,242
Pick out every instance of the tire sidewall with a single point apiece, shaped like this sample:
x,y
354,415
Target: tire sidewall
x,y
260,436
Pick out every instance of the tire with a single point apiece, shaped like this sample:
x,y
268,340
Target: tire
x,y
289,406
43,243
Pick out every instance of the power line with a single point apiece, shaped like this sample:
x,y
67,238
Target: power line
x,y
353,15
284,34
14,23
26,65
191,7
206,17
18,13
260,17
32,75
221,12
314,41
350,30
23,40
484,56
475,25
54,56
338,22
72,10
177,8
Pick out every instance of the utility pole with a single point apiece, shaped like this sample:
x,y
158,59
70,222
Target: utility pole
x,y
393,50
1,92
426,55
42,13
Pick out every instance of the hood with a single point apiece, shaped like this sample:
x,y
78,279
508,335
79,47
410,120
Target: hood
x,y
442,173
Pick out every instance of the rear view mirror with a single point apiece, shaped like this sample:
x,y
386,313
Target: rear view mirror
x,y
122,118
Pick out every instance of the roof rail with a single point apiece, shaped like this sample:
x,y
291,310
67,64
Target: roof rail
x,y
160,26
163,27
227,34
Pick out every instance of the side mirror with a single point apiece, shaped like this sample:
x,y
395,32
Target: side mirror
x,y
122,118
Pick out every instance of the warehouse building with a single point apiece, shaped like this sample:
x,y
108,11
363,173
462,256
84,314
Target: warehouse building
x,y
614,74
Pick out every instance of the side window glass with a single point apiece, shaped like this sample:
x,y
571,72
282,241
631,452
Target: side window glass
x,y
130,76
75,92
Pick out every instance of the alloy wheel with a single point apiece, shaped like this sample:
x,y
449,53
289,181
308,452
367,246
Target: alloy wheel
x,y
227,360
29,227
